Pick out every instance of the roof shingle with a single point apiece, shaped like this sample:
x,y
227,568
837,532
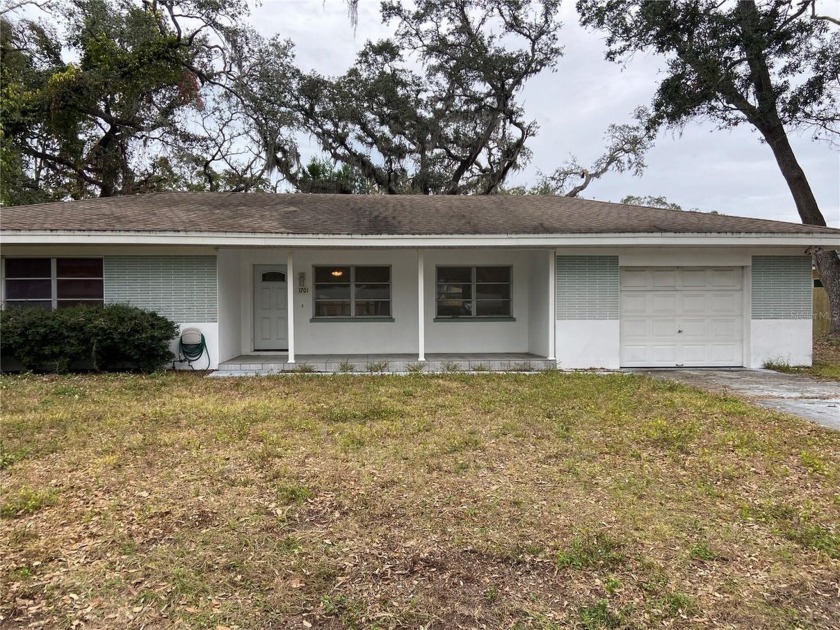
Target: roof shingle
x,y
300,214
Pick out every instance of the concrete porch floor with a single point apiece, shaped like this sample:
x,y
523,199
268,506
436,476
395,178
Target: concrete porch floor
x,y
258,365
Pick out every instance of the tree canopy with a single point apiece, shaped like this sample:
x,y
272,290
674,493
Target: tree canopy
x,y
101,101
433,110
111,97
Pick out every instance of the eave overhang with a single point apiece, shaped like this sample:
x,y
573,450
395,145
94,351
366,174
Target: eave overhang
x,y
220,239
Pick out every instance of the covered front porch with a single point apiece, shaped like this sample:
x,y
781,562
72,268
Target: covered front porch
x,y
385,309
265,364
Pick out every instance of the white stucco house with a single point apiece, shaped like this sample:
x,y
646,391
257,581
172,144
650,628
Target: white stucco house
x,y
569,282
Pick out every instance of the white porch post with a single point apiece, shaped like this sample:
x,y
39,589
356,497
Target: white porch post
x,y
290,304
421,315
552,308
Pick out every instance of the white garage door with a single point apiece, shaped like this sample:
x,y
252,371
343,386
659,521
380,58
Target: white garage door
x,y
683,316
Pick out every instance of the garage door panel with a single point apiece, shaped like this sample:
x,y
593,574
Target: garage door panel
x,y
665,353
694,353
635,279
725,303
664,328
681,317
725,353
634,329
693,278
635,354
693,329
693,303
664,278
663,303
726,278
730,329
634,304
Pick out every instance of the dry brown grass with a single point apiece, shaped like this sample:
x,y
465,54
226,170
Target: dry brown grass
x,y
456,501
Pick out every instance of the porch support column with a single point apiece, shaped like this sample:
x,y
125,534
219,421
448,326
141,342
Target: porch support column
x,y
552,308
290,304
421,314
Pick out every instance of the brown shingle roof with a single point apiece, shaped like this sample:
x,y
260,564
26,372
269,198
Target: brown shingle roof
x,y
265,213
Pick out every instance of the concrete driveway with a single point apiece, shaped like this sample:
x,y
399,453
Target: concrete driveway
x,y
796,394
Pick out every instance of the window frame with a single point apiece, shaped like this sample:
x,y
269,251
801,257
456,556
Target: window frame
x,y
54,301
473,316
352,299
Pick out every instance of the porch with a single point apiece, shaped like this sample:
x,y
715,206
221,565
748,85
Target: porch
x,y
341,310
264,364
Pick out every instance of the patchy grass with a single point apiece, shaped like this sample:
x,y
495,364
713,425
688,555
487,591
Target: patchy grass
x,y
25,501
442,501
826,364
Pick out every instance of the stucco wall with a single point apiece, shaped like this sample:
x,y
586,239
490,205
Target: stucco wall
x,y
230,305
587,294
539,307
399,336
785,341
359,337
180,287
781,328
465,335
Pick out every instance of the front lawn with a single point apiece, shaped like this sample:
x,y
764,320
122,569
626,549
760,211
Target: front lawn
x,y
457,501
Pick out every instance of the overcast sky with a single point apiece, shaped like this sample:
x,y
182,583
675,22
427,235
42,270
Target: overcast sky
x,y
704,168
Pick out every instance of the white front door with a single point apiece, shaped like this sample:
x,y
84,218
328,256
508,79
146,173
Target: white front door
x,y
270,308
682,316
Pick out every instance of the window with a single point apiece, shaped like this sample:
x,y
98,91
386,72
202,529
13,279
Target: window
x,y
473,292
273,276
53,282
345,291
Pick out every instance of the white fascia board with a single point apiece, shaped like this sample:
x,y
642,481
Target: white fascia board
x,y
440,240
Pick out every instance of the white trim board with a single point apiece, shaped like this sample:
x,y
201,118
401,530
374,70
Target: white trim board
x,y
413,241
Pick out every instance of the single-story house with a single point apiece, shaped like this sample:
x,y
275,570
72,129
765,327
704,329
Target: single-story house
x,y
585,284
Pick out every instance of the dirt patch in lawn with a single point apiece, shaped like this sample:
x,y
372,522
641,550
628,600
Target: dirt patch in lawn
x,y
457,501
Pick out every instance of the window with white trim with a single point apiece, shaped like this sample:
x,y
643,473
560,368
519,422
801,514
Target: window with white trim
x,y
352,291
52,283
473,292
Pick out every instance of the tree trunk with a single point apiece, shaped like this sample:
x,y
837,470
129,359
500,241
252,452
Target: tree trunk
x,y
828,266
828,263
765,117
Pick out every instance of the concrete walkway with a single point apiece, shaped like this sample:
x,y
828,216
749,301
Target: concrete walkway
x,y
796,394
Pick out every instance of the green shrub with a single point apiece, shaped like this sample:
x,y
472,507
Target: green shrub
x,y
108,337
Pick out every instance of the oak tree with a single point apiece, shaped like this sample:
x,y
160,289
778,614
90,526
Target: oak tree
x,y
433,110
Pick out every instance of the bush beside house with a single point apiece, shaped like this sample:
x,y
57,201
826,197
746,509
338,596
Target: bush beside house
x,y
114,336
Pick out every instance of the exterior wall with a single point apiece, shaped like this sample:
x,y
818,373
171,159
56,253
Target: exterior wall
x,y
465,335
587,344
539,303
230,305
210,330
359,337
399,336
244,291
781,306
321,336
182,288
787,341
197,287
587,305
177,282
